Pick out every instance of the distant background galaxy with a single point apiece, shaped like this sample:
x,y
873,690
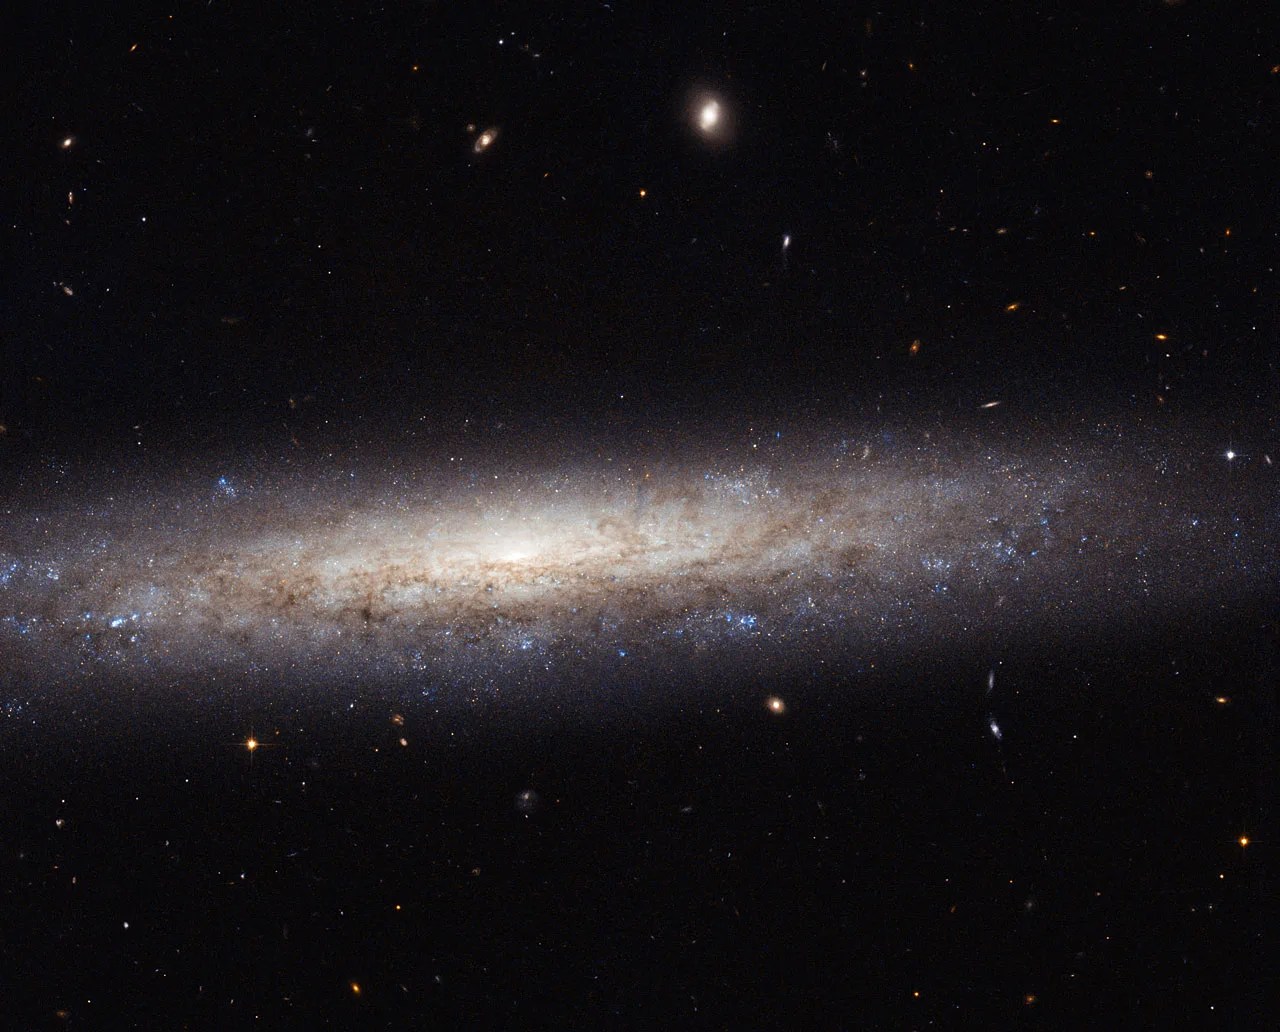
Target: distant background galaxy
x,y
597,516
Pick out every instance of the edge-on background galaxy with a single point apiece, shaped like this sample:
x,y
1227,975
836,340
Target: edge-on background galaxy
x,y
551,564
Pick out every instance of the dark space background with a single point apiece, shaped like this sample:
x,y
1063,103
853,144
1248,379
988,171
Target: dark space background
x,y
280,236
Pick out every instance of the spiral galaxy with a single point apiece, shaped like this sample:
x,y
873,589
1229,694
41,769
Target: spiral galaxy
x,y
792,548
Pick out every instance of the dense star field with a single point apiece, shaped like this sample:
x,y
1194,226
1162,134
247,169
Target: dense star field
x,y
781,546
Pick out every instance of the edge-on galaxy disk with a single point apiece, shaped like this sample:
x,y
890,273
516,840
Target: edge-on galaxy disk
x,y
852,548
